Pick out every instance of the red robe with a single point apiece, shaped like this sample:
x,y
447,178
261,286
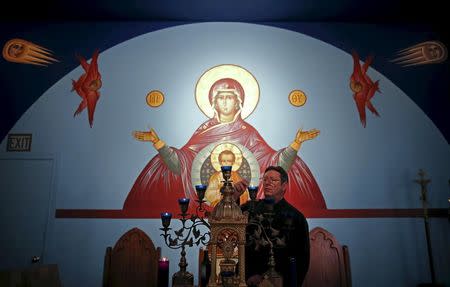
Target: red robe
x,y
157,188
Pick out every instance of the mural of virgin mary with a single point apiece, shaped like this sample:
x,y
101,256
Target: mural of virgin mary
x,y
227,102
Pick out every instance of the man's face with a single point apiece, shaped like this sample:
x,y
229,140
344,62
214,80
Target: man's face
x,y
272,185
226,103
226,159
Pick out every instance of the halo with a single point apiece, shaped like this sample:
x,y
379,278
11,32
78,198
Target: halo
x,y
226,146
244,77
205,153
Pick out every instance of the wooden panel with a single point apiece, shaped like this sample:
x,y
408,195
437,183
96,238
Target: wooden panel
x,y
38,276
132,262
327,261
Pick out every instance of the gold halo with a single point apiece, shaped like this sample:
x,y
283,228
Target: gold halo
x,y
244,77
226,146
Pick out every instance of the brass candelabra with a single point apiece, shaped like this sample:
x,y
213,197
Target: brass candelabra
x,y
189,234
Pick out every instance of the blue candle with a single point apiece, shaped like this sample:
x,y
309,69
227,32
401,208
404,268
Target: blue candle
x,y
184,204
201,189
252,190
183,200
165,218
226,168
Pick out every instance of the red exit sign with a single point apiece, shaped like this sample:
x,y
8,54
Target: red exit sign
x,y
19,142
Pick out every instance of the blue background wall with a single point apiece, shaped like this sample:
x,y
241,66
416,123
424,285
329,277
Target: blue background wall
x,y
355,167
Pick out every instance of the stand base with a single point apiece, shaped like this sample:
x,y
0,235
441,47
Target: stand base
x,y
182,279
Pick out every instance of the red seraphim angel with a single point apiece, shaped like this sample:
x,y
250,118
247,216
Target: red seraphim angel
x,y
88,86
363,87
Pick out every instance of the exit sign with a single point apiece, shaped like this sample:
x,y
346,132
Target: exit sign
x,y
19,142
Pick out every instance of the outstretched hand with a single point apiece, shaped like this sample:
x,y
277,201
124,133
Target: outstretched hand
x,y
303,136
145,136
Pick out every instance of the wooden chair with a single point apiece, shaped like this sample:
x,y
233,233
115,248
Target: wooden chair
x,y
329,261
132,262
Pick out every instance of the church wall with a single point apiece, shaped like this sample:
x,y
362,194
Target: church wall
x,y
355,167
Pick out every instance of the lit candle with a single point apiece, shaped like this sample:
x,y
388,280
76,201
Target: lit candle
x,y
163,272
201,189
184,204
252,190
165,219
226,168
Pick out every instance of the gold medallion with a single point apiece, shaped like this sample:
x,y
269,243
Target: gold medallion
x,y
155,99
297,98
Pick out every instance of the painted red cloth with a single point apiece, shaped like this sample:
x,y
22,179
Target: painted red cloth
x,y
157,188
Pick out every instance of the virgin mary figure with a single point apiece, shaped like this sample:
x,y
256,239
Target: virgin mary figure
x,y
227,102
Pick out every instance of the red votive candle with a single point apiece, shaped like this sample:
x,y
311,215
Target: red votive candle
x,y
163,272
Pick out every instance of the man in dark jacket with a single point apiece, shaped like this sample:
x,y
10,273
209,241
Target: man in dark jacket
x,y
273,221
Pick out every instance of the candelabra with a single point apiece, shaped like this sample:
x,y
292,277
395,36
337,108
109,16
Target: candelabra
x,y
263,235
189,234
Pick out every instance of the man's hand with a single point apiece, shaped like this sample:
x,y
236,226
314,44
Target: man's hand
x,y
240,187
149,136
303,136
